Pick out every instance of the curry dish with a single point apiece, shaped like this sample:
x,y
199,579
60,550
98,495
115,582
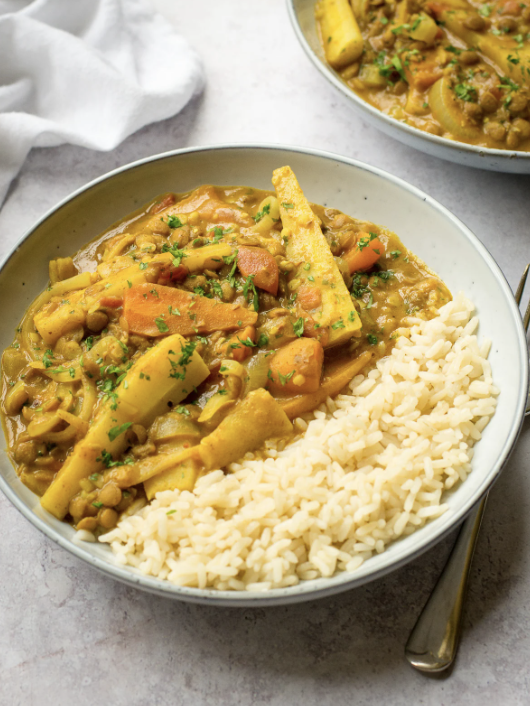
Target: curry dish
x,y
192,332
453,68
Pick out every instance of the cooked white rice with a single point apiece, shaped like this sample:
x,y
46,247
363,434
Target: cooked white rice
x,y
371,466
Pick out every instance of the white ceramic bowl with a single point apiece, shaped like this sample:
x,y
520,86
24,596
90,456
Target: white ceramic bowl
x,y
302,14
425,226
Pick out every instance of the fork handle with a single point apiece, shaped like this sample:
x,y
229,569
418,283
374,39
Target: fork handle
x,y
433,642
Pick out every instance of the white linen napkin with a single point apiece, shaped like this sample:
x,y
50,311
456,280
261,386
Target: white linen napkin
x,y
88,72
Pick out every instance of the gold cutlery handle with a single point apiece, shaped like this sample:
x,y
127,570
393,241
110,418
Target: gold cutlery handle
x,y
433,642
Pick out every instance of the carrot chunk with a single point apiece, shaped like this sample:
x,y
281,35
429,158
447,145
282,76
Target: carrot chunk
x,y
365,253
260,263
166,202
156,310
297,367
239,347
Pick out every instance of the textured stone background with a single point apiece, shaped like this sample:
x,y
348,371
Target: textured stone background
x,y
69,635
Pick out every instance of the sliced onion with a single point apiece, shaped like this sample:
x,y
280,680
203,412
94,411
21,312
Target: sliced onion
x,y
257,371
232,367
446,110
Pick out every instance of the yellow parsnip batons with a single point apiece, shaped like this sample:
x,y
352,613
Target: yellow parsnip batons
x,y
161,378
343,41
307,246
255,419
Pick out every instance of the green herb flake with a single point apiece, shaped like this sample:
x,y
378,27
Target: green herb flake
x,y
249,292
174,222
466,92
161,325
284,379
118,430
264,212
298,327
46,358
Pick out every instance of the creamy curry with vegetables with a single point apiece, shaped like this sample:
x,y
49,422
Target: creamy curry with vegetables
x,y
453,68
192,332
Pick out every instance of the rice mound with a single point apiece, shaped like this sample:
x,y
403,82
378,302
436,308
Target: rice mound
x,y
368,467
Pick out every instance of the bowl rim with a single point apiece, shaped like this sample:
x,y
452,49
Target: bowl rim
x,y
392,123
308,590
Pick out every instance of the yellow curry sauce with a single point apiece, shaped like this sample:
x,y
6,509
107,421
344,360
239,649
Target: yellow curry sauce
x,y
453,68
190,333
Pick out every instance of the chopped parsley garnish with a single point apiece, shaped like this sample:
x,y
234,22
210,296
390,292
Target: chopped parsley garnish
x,y
366,240
395,253
264,212
97,504
143,265
263,340
338,324
466,92
46,358
116,431
358,289
248,342
170,512
231,260
106,459
289,206
508,83
178,254
186,353
372,340
161,325
249,292
298,327
183,410
284,379
216,287
174,222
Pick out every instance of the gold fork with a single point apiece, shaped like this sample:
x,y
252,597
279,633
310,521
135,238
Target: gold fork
x,y
433,642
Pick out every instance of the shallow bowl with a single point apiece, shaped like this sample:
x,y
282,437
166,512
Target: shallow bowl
x,y
425,226
302,14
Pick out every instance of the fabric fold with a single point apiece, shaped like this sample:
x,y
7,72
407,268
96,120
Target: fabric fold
x,y
89,72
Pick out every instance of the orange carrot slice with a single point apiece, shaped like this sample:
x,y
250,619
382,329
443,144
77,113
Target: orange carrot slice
x,y
365,253
260,263
155,310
